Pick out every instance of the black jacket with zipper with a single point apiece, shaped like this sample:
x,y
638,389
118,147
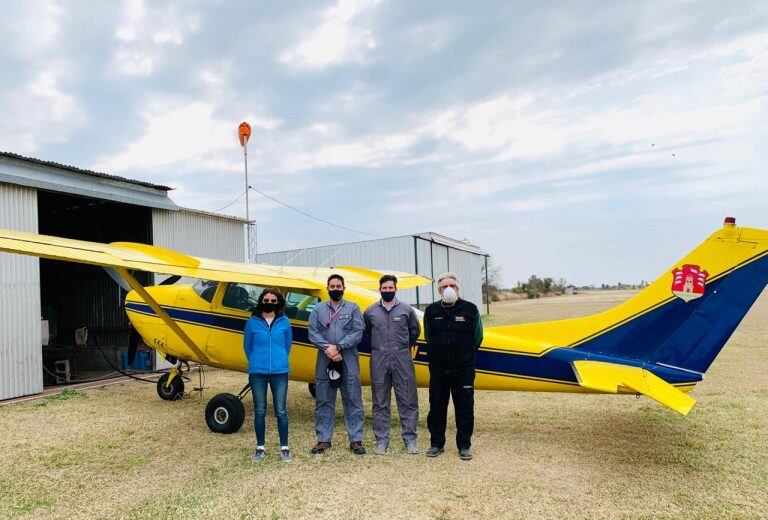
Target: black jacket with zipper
x,y
453,334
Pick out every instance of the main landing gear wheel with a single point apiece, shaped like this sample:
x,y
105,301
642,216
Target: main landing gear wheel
x,y
225,413
170,392
312,389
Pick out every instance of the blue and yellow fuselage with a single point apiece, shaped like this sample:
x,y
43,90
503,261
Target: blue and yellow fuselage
x,y
672,338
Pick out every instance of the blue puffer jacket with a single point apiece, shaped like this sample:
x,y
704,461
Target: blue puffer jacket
x,y
267,349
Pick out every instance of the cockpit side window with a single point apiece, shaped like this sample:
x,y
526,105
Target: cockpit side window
x,y
241,296
205,289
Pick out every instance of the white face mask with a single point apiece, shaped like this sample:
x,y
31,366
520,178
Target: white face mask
x,y
450,295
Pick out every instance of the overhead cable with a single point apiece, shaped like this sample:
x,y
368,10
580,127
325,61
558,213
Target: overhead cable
x,y
297,210
228,205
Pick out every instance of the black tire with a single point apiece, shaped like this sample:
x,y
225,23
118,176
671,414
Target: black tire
x,y
224,413
313,390
174,391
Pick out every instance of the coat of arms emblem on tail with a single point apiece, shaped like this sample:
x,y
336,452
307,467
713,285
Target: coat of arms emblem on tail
x,y
689,282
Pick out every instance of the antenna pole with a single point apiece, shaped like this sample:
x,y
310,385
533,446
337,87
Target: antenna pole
x,y
244,133
248,207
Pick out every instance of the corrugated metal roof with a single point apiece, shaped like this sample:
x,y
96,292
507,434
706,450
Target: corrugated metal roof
x,y
216,215
463,245
430,236
68,167
50,176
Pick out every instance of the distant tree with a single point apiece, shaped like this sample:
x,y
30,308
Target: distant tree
x,y
492,288
536,286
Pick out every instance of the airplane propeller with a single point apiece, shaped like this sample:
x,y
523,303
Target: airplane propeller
x,y
134,340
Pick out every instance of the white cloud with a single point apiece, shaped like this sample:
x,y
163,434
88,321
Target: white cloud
x,y
341,37
143,35
188,135
37,113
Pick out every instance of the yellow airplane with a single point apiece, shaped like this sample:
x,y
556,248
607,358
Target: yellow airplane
x,y
659,343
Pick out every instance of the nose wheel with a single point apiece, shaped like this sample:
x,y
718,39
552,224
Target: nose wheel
x,y
225,413
170,387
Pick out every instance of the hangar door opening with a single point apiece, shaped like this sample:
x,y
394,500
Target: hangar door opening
x,y
78,296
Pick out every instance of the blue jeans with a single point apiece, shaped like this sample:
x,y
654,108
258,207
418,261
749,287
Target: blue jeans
x,y
279,385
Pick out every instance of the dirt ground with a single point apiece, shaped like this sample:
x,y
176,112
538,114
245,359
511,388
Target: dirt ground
x,y
120,452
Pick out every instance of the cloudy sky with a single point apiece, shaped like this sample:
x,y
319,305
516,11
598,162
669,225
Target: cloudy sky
x,y
597,141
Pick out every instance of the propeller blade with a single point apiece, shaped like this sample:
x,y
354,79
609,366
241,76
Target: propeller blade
x,y
134,340
117,279
170,280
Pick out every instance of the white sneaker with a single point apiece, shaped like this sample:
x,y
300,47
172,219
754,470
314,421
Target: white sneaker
x,y
381,448
412,448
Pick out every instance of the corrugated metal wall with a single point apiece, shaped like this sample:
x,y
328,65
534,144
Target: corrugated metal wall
x,y
396,254
199,234
469,268
20,337
427,293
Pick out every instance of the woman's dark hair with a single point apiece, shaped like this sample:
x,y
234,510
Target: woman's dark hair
x,y
277,294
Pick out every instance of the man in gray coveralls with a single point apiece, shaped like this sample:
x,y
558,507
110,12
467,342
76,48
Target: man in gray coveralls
x,y
392,328
335,328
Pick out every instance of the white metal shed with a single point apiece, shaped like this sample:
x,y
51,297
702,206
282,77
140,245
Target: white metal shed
x,y
45,197
427,254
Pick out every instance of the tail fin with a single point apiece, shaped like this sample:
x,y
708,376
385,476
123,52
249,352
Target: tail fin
x,y
684,318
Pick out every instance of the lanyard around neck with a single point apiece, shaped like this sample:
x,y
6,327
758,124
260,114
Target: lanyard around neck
x,y
333,315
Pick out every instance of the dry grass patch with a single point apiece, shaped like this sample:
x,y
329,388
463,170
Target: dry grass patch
x,y
120,452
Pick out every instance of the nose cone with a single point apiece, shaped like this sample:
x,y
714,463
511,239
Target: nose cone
x,y
162,294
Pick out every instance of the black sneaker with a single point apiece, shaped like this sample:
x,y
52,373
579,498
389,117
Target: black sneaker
x,y
357,448
465,454
434,451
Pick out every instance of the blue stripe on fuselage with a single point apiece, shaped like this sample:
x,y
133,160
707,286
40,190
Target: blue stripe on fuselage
x,y
554,366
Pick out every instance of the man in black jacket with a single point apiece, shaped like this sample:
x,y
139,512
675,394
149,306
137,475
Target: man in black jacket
x,y
454,332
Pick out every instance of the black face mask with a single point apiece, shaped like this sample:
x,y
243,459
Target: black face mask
x,y
268,307
387,296
336,294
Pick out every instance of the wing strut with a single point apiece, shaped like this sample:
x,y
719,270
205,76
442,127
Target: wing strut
x,y
136,286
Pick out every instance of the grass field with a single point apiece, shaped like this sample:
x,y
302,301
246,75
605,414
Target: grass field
x,y
120,452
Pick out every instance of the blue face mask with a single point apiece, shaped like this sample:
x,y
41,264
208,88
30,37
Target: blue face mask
x,y
387,296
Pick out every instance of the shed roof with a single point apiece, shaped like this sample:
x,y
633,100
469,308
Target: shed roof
x,y
462,245
53,176
84,171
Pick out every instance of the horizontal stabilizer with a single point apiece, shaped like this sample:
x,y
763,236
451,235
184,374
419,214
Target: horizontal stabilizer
x,y
610,377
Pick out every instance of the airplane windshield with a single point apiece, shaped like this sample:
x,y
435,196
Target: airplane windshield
x,y
298,305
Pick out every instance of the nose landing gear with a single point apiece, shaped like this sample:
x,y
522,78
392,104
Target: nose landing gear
x,y
170,386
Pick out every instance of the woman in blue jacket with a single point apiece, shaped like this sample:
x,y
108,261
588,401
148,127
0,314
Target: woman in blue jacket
x,y
267,344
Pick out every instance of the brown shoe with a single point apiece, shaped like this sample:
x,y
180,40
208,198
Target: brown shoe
x,y
320,447
357,448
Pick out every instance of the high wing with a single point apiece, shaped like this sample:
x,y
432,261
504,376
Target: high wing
x,y
613,378
153,259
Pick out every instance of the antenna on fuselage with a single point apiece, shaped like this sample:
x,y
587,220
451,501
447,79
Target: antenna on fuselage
x,y
291,259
